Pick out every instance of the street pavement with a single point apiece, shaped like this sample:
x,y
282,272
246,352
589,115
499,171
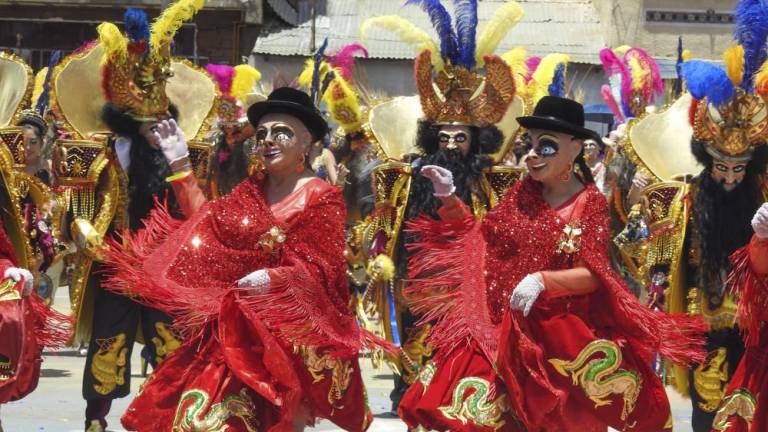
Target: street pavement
x,y
57,404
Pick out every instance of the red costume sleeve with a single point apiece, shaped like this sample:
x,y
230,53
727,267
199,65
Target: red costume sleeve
x,y
575,281
454,209
758,255
188,193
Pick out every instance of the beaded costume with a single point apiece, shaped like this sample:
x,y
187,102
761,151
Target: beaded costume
x,y
457,84
694,223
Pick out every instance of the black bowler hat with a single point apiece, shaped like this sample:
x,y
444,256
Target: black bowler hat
x,y
288,100
559,115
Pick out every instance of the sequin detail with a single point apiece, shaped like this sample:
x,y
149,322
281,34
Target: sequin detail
x,y
479,407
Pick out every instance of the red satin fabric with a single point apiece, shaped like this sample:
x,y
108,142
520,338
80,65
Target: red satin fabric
x,y
19,345
519,237
750,281
239,341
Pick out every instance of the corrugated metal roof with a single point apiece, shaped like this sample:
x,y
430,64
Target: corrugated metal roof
x,y
566,26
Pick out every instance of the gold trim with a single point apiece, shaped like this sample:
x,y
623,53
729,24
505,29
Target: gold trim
x,y
27,97
8,291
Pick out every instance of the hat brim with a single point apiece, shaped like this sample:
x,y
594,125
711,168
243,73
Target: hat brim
x,y
315,123
557,125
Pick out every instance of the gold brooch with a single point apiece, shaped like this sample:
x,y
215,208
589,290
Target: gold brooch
x,y
570,239
271,239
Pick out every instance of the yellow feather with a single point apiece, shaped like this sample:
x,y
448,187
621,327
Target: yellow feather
x,y
504,18
305,77
734,63
515,58
39,83
343,105
545,72
687,55
112,40
640,75
620,51
243,81
761,80
168,23
407,32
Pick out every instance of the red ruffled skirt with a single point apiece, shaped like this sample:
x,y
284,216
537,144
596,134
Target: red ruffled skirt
x,y
575,377
19,350
240,376
745,406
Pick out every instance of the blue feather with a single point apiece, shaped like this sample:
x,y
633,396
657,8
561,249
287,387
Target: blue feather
x,y
441,20
679,80
465,16
708,80
318,60
751,32
557,87
42,101
136,24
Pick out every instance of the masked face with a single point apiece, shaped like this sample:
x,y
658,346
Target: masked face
x,y
728,173
282,142
591,151
455,137
552,155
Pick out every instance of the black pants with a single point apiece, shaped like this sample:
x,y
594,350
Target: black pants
x,y
723,346
115,323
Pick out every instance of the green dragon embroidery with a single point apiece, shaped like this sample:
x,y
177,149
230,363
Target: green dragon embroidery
x,y
476,408
740,403
601,377
197,416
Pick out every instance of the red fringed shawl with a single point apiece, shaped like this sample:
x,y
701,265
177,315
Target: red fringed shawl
x,y
186,268
464,273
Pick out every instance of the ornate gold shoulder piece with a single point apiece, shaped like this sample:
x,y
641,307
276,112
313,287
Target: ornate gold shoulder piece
x,y
659,143
16,88
498,179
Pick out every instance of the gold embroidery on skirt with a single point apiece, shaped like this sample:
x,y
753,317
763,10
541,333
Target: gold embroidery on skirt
x,y
198,416
740,403
341,371
6,368
108,365
479,407
602,377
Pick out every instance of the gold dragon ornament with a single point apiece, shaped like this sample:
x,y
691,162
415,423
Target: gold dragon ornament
x,y
108,365
602,377
196,414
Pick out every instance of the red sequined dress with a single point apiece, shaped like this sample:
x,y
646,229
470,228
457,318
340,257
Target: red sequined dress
x,y
27,325
745,405
249,361
579,362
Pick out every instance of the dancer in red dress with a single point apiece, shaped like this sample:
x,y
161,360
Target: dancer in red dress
x,y
533,329
257,279
744,407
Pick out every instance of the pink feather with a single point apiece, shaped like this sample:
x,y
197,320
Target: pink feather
x,y
531,63
611,102
344,59
656,85
222,74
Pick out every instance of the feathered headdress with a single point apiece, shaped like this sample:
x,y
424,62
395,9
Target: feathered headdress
x,y
451,88
548,79
136,65
729,113
634,81
234,85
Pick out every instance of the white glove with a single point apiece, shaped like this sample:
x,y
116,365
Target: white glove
x,y
760,222
442,180
172,141
526,293
123,151
16,274
258,281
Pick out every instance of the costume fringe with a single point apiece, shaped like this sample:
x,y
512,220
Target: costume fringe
x,y
52,329
752,291
445,286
